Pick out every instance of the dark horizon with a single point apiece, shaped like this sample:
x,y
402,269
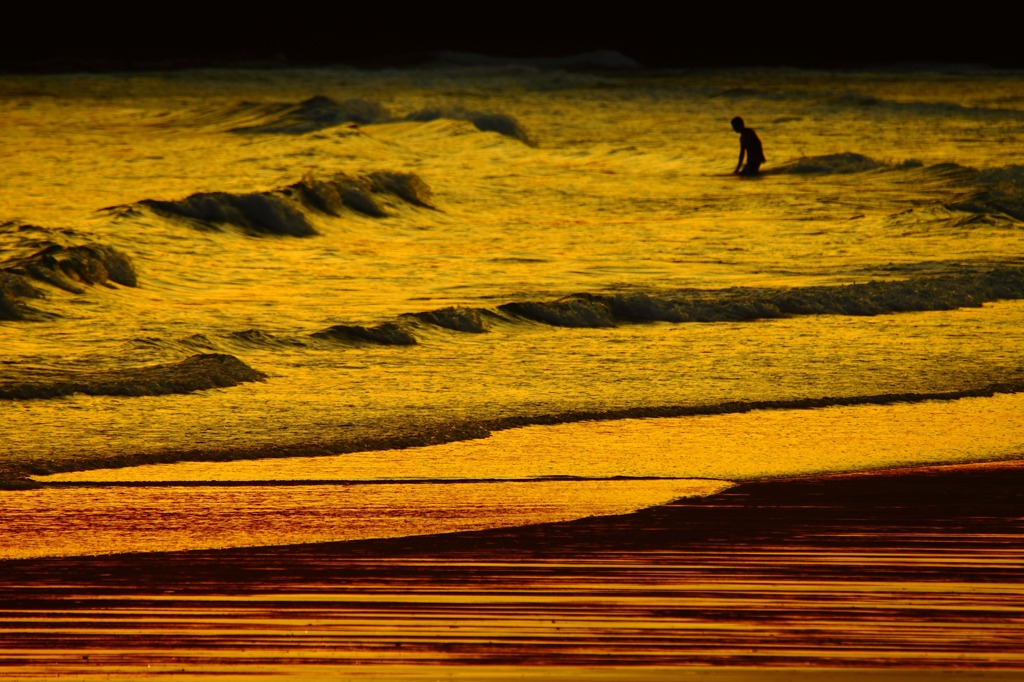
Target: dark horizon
x,y
362,37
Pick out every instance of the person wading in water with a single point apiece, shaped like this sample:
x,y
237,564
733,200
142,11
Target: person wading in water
x,y
750,146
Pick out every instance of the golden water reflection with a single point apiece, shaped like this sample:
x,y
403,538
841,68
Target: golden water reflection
x,y
79,521
746,446
413,491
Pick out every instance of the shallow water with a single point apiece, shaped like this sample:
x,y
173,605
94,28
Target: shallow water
x,y
746,446
114,520
514,477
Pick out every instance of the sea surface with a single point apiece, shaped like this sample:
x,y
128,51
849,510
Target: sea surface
x,y
269,306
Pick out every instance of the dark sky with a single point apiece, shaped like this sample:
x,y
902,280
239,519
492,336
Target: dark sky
x,y
715,34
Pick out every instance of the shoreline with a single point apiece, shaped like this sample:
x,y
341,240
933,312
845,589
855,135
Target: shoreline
x,y
17,474
896,572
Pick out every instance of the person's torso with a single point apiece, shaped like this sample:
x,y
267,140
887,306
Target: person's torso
x,y
752,143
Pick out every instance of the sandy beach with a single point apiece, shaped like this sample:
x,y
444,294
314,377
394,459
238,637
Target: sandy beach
x,y
909,575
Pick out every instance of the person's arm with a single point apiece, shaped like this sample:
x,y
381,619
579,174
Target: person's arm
x,y
743,150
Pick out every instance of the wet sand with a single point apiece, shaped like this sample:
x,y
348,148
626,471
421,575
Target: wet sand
x,y
912,575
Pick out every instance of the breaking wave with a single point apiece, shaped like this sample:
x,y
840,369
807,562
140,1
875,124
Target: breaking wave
x,y
455,318
199,372
13,292
926,292
284,211
316,113
41,256
837,164
230,342
484,121
946,292
997,191
320,113
994,192
387,334
870,298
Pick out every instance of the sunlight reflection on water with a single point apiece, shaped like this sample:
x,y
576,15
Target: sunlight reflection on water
x,y
78,521
751,445
388,504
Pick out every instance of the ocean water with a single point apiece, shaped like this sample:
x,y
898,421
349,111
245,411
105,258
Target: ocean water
x,y
255,307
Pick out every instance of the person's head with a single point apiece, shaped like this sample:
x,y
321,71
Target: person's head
x,y
737,124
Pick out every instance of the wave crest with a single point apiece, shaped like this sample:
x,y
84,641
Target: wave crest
x,y
14,289
199,372
283,211
43,257
1000,191
485,121
968,289
994,194
259,213
460,319
318,113
387,334
575,311
838,164
945,292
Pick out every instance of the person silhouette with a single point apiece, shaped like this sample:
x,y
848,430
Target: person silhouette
x,y
750,146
